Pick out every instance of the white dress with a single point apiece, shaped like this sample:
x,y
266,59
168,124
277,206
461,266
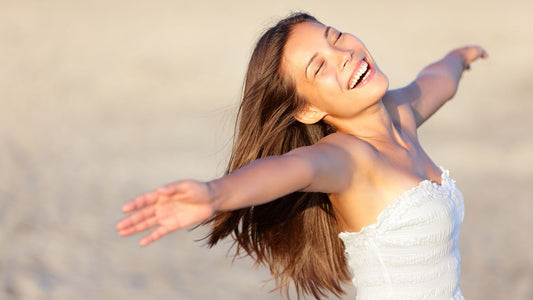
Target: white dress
x,y
411,251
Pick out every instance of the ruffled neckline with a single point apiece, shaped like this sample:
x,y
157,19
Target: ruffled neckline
x,y
423,185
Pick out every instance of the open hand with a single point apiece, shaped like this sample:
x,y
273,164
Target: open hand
x,y
175,206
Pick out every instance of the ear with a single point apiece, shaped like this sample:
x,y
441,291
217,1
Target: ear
x,y
309,115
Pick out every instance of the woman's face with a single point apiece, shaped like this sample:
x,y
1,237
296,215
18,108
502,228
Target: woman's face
x,y
333,71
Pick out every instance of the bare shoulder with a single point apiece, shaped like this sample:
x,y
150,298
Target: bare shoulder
x,y
337,146
332,162
358,150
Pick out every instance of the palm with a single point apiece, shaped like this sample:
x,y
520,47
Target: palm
x,y
173,207
176,212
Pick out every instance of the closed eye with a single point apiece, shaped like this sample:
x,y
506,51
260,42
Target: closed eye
x,y
319,68
338,38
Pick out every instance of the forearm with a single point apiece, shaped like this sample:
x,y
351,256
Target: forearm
x,y
261,181
447,71
444,75
438,82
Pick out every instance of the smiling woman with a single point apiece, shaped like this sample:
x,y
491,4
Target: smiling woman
x,y
334,72
327,172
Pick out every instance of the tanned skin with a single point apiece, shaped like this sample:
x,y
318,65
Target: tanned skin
x,y
373,157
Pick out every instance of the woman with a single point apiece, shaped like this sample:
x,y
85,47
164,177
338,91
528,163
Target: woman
x,y
324,150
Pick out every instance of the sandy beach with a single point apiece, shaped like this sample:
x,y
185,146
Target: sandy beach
x,y
103,100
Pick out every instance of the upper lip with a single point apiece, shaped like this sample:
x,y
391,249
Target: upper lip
x,y
352,74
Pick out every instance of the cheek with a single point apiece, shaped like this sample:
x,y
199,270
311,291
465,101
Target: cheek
x,y
328,79
330,82
326,91
324,87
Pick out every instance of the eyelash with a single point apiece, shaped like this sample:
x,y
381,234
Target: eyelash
x,y
319,68
338,38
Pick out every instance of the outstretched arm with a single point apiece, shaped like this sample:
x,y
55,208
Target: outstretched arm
x,y
322,167
436,83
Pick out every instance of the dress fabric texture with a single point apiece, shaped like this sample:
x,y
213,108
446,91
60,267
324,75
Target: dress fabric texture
x,y
411,251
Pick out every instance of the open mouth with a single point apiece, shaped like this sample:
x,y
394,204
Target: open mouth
x,y
362,73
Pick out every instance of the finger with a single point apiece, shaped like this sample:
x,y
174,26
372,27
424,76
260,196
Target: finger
x,y
139,202
166,190
136,218
154,236
169,189
175,188
142,226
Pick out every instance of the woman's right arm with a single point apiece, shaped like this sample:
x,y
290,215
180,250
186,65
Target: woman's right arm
x,y
323,167
319,168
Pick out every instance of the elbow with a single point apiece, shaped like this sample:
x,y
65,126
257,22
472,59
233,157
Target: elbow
x,y
450,89
446,87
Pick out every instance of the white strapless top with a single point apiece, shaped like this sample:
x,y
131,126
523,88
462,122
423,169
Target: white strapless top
x,y
411,251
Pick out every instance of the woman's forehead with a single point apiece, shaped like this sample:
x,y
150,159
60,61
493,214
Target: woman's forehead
x,y
304,41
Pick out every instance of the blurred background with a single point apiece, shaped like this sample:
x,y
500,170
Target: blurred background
x,y
103,100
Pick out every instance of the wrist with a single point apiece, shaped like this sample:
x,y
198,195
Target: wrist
x,y
215,194
458,56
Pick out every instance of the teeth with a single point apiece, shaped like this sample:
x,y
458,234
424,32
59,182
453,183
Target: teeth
x,y
357,75
366,75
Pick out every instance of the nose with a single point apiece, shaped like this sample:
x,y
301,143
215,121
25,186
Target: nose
x,y
346,57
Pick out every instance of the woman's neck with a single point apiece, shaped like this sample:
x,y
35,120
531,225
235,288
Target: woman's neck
x,y
373,124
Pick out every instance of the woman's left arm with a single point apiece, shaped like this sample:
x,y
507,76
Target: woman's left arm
x,y
438,82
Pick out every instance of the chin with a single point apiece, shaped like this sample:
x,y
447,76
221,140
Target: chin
x,y
378,86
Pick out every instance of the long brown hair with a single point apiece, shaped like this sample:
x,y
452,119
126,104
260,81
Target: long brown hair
x,y
295,235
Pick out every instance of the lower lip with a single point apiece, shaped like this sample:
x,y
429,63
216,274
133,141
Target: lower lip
x,y
368,77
